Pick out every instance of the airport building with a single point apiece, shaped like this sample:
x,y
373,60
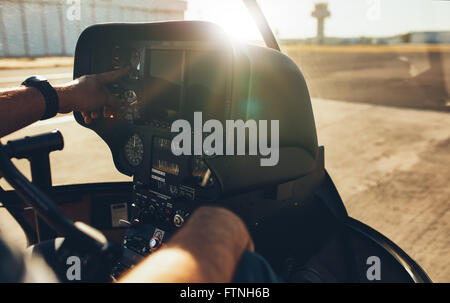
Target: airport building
x,y
413,37
34,28
430,37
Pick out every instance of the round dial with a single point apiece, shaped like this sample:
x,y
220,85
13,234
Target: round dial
x,y
134,150
199,168
130,97
202,173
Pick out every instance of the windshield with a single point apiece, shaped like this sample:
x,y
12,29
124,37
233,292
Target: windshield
x,y
378,72
393,53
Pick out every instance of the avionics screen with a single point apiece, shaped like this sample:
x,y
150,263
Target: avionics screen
x,y
181,82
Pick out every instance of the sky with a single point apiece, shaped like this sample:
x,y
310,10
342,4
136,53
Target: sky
x,y
349,18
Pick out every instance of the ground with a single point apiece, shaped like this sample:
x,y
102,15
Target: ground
x,y
387,152
407,76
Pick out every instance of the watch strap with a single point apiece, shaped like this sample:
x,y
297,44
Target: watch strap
x,y
48,92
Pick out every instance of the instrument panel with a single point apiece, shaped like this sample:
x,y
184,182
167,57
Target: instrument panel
x,y
169,80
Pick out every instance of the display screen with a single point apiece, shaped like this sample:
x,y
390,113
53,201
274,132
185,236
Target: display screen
x,y
181,82
164,76
166,166
205,85
162,146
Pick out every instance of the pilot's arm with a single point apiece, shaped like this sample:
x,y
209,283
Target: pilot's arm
x,y
23,105
206,250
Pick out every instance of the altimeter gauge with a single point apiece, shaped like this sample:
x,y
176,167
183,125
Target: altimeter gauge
x,y
134,150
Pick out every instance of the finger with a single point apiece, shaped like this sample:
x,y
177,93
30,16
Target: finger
x,y
251,246
107,111
114,75
87,117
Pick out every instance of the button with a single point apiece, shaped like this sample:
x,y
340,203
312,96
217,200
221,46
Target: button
x,y
154,243
178,220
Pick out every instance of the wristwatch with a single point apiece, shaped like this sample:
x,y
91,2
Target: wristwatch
x,y
49,93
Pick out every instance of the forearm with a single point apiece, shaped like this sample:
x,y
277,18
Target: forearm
x,y
22,106
19,107
207,249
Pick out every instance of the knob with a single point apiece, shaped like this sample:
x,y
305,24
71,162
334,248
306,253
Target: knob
x,y
178,220
154,243
130,96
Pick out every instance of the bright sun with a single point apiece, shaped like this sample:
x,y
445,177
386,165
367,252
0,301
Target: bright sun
x,y
231,15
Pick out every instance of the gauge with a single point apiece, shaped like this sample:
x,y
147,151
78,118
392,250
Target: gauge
x,y
134,150
130,97
202,173
199,168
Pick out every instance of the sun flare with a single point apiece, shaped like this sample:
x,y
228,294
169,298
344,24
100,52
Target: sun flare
x,y
232,16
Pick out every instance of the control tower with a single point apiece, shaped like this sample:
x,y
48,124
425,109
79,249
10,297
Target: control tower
x,y
321,12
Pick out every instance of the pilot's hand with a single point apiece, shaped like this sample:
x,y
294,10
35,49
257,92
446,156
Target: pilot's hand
x,y
220,221
89,95
207,249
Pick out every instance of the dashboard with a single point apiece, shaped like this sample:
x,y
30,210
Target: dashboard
x,y
168,81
